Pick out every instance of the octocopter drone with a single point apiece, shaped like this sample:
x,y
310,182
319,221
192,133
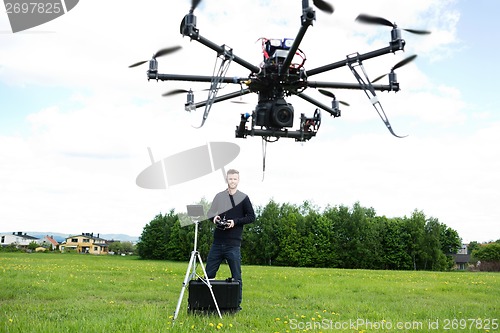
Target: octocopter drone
x,y
278,77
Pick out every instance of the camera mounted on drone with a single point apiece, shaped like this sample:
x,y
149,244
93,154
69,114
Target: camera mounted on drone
x,y
221,223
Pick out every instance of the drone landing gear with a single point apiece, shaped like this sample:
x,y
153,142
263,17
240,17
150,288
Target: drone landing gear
x,y
217,79
370,93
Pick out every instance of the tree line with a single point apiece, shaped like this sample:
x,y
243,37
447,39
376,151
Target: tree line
x,y
486,256
305,236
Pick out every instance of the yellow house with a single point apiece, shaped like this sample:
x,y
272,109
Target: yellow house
x,y
85,243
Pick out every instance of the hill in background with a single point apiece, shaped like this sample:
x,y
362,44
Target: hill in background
x,y
62,237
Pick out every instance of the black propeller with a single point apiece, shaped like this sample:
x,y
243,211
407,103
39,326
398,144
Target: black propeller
x,y
175,92
398,65
159,53
364,18
239,102
194,4
330,94
324,6
179,91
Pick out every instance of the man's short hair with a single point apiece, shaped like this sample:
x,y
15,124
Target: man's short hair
x,y
232,172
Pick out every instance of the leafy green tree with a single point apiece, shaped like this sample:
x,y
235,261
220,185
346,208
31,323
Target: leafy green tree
x,y
364,238
10,248
354,238
174,246
128,247
393,254
414,237
261,238
121,247
339,218
155,236
322,239
291,242
432,255
450,240
489,257
488,252
297,241
251,251
473,246
164,237
32,246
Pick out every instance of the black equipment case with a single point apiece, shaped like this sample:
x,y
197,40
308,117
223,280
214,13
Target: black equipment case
x,y
227,294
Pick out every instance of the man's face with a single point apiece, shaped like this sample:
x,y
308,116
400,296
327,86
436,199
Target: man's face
x,y
233,180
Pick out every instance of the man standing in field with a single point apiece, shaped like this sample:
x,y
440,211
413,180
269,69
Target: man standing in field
x,y
235,209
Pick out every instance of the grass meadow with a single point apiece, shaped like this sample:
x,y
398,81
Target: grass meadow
x,y
86,293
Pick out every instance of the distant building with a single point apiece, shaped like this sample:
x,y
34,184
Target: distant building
x,y
463,249
49,241
462,258
18,239
85,243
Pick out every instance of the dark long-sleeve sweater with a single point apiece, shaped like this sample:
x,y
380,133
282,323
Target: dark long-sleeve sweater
x,y
241,213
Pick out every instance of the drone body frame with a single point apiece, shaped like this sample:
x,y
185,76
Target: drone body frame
x,y
277,78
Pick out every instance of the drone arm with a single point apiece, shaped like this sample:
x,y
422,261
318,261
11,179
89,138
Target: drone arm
x,y
224,97
393,47
194,78
335,113
354,86
221,49
308,17
194,34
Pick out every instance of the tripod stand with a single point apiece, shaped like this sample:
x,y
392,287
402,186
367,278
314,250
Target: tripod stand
x,y
191,270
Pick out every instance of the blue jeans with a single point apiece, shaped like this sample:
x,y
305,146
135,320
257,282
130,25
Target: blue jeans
x,y
219,252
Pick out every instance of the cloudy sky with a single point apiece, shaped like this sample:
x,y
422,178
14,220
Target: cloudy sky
x,y
76,122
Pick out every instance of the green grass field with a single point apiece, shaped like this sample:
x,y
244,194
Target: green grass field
x,y
85,293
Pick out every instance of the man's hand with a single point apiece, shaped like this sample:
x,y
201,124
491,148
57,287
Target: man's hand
x,y
231,224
